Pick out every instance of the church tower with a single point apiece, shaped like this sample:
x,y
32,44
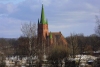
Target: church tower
x,y
44,36
42,26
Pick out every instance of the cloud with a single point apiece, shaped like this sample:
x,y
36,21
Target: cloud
x,y
63,15
5,0
3,15
11,1
10,8
77,28
10,27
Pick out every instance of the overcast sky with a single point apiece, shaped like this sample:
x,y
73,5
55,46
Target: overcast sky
x,y
67,16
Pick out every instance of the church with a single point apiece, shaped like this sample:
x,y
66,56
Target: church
x,y
46,37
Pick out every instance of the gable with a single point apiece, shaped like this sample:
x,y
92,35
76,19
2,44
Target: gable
x,y
58,38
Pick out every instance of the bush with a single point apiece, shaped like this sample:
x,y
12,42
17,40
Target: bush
x,y
97,63
57,54
2,64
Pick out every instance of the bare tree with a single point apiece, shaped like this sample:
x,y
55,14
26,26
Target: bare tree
x,y
29,31
73,45
74,48
97,30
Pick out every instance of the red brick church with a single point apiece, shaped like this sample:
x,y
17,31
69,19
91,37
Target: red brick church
x,y
44,36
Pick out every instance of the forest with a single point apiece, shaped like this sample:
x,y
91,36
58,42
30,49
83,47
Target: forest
x,y
10,46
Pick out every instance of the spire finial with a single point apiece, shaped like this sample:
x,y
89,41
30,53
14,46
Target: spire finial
x,y
42,1
38,21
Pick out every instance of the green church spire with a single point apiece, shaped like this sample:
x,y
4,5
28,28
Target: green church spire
x,y
46,21
42,20
38,21
50,35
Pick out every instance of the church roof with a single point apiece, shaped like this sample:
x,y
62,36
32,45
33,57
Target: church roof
x,y
58,37
42,19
